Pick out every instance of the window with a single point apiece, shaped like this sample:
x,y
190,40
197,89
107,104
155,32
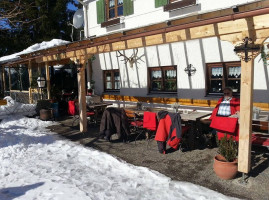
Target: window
x,y
109,11
163,79
114,8
6,79
19,78
221,75
112,80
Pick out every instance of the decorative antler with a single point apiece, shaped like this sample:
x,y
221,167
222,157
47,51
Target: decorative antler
x,y
132,59
125,58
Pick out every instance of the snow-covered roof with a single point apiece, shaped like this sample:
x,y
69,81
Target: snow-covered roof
x,y
33,48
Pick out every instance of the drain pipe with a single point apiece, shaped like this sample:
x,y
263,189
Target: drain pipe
x,y
85,11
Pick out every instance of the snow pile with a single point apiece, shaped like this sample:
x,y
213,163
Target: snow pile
x,y
16,108
36,164
33,48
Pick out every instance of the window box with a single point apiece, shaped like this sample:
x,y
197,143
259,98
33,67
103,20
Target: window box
x,y
174,5
110,22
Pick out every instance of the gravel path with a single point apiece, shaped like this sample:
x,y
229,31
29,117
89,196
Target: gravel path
x,y
194,166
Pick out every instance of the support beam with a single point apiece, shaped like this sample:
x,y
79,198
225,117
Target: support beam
x,y
82,98
246,106
3,79
48,79
30,80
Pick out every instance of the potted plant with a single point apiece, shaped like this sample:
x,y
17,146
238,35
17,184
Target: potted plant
x,y
225,163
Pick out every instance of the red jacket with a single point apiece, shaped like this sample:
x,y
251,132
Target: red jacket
x,y
163,130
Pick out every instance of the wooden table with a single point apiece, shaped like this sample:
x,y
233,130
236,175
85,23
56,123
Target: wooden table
x,y
192,119
98,108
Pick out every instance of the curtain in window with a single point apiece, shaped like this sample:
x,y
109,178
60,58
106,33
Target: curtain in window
x,y
171,74
156,74
120,2
217,72
234,72
111,3
117,85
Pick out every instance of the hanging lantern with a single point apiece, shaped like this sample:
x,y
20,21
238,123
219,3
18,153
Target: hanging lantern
x,y
41,81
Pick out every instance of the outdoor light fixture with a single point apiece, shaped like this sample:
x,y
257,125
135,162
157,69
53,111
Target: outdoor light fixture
x,y
78,65
190,70
243,49
168,23
41,82
235,9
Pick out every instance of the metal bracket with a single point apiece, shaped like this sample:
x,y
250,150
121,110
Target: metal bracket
x,y
244,179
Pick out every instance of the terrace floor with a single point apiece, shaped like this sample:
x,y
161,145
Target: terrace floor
x,y
195,166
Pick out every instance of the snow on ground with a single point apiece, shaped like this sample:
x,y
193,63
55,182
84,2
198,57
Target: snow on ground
x,y
33,48
38,164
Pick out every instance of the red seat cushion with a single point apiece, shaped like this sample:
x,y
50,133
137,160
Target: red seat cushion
x,y
260,139
150,121
71,108
90,113
137,123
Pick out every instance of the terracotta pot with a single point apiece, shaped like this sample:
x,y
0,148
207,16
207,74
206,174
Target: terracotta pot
x,y
225,170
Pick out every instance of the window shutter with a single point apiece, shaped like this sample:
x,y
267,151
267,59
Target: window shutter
x,y
128,7
100,7
159,3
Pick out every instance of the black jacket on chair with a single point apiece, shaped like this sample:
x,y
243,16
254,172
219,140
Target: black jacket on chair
x,y
114,120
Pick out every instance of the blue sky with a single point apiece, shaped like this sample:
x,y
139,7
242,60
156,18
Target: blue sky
x,y
71,6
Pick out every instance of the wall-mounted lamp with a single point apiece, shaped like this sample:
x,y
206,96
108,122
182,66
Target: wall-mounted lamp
x,y
168,23
190,70
243,49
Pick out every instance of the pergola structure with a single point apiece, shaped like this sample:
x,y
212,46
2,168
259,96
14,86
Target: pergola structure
x,y
248,21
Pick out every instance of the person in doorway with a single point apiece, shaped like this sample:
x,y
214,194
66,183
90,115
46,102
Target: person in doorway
x,y
226,106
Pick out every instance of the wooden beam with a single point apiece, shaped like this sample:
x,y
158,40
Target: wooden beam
x,y
82,99
48,79
245,121
30,80
3,78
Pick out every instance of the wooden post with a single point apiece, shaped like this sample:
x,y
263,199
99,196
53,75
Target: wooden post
x,y
48,79
246,106
82,97
89,73
30,80
3,79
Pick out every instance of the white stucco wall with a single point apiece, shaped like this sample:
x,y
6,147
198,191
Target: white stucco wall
x,y
145,14
134,81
